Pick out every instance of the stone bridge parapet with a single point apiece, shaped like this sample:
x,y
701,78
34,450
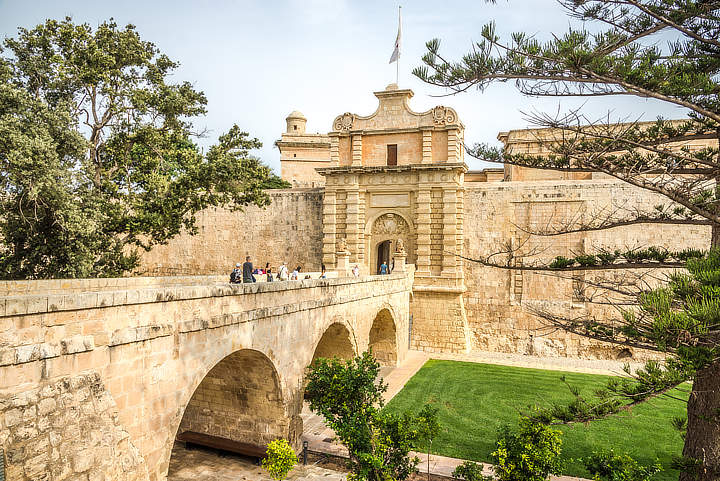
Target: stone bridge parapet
x,y
96,385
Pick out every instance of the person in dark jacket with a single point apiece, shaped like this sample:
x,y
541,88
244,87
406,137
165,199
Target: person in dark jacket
x,y
248,271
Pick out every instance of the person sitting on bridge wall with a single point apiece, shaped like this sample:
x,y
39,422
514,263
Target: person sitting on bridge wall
x,y
236,275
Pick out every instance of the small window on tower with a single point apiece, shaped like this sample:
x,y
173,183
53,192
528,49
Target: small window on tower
x,y
294,127
392,154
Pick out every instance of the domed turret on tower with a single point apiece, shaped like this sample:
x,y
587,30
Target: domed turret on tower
x,y
296,122
301,153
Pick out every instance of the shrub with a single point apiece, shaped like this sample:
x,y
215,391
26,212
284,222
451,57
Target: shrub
x,y
280,459
606,465
470,471
530,454
561,262
587,260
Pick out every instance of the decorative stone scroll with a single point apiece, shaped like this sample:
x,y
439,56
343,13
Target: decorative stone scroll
x,y
344,122
444,115
390,224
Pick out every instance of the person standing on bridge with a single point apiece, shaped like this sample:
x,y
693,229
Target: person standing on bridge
x,y
283,272
248,271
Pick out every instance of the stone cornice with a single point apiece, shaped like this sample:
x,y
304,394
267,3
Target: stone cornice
x,y
337,133
295,143
356,169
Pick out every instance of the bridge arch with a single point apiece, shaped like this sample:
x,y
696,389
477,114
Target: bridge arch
x,y
337,340
383,337
240,398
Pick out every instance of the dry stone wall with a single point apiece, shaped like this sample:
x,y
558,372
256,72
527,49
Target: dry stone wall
x,y
289,229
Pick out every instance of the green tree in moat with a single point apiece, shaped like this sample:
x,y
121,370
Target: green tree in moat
x,y
97,154
349,396
668,50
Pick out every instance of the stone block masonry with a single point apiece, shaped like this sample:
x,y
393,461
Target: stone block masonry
x,y
96,385
289,229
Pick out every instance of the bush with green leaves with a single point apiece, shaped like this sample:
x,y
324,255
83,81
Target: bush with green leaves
x,y
531,453
280,459
610,466
470,471
349,397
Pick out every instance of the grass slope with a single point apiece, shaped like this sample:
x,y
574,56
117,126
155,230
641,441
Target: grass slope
x,y
476,399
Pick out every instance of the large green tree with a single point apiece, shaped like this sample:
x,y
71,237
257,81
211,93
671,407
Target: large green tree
x,y
98,159
668,50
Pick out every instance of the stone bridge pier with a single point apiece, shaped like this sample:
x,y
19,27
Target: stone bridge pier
x,y
97,377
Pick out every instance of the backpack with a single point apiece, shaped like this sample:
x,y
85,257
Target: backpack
x,y
233,276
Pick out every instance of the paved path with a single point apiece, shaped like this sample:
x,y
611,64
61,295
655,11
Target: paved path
x,y
320,438
208,465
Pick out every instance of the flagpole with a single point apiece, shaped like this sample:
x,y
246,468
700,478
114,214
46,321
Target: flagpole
x,y
397,64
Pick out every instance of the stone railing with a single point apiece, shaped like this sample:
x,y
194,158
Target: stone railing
x,y
49,296
66,286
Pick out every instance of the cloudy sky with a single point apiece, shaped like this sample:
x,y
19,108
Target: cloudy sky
x,y
258,60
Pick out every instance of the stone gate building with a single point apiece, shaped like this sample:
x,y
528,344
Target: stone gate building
x,y
394,185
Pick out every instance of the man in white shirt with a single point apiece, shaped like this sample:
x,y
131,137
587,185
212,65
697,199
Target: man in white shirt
x,y
283,272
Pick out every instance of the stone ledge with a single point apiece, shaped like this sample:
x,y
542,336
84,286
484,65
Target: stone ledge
x,y
45,350
38,304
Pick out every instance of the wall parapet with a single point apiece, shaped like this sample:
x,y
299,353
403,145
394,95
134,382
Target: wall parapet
x,y
47,303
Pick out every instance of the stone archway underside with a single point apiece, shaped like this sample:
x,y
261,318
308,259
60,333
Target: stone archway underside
x,y
335,342
239,399
383,340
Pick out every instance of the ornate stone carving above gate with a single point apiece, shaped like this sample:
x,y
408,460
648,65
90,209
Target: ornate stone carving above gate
x,y
443,115
344,122
390,224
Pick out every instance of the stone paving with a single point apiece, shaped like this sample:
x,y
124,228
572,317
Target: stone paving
x,y
208,465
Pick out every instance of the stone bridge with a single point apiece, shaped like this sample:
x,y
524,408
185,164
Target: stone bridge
x,y
97,377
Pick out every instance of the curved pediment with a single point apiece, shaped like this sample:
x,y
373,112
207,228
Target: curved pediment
x,y
394,113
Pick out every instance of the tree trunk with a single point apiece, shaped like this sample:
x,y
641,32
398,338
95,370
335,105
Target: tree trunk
x,y
703,430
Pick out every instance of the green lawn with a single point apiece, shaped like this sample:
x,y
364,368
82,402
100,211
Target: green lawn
x,y
475,399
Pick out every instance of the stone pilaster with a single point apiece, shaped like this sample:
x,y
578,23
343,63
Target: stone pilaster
x,y
427,146
454,146
450,211
329,227
335,150
357,150
354,228
423,231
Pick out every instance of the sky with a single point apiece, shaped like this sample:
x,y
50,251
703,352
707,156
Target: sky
x,y
256,61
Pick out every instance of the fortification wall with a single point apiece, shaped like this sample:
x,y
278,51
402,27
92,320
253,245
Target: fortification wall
x,y
289,229
498,301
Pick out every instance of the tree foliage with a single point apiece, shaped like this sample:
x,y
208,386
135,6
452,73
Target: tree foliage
x,y
98,154
350,398
280,459
609,466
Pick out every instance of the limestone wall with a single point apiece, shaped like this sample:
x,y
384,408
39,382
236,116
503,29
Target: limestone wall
x,y
289,229
67,429
497,301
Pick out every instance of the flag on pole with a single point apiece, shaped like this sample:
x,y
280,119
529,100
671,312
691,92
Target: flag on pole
x,y
396,53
